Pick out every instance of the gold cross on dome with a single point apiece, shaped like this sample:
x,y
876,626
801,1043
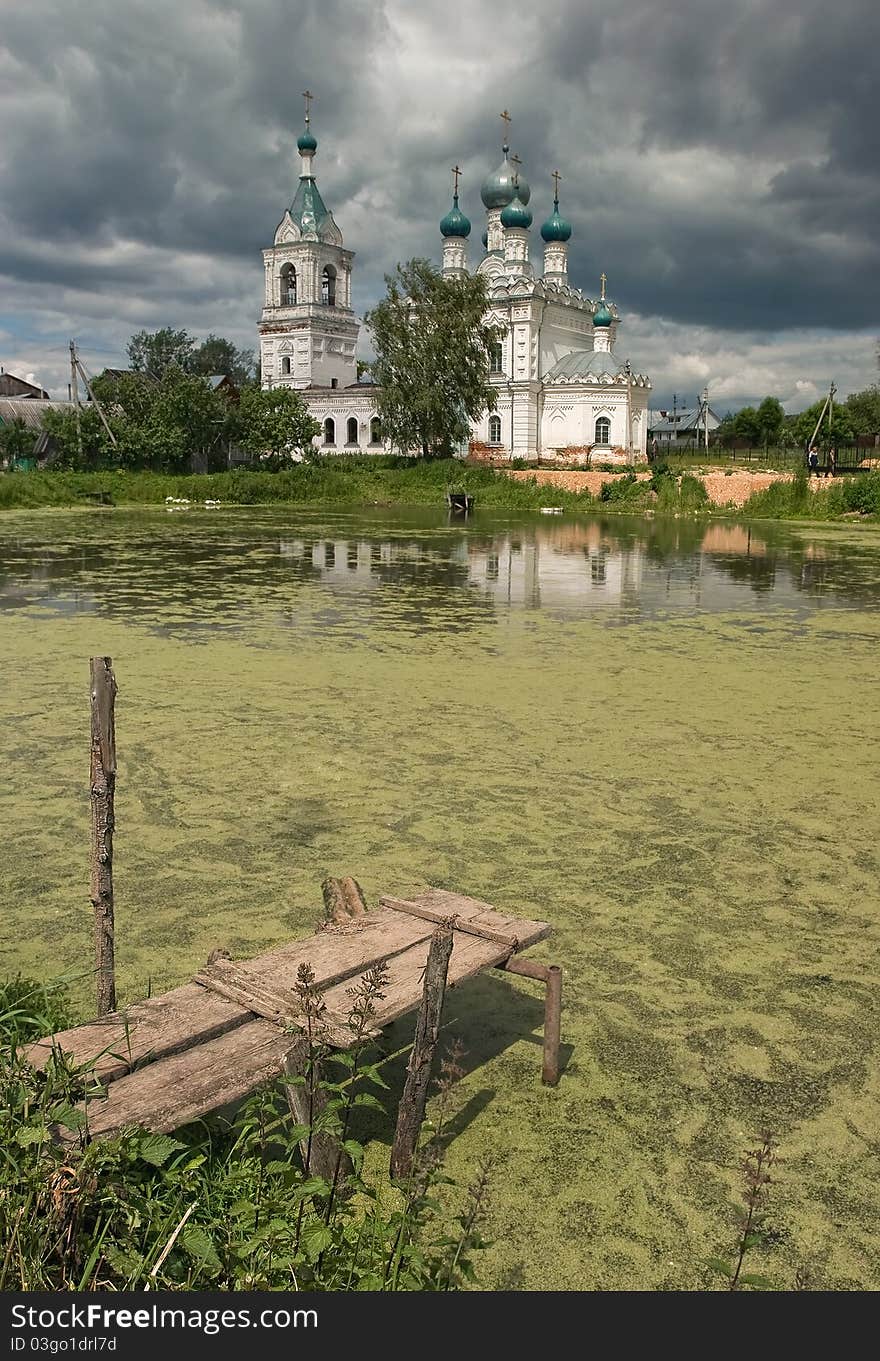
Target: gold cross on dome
x,y
556,177
515,160
505,116
456,170
603,277
308,97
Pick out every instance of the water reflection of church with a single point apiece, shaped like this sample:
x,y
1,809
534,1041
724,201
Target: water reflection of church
x,y
561,565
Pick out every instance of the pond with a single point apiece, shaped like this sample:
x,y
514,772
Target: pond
x,y
659,735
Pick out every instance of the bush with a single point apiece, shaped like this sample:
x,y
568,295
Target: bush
x,y
862,493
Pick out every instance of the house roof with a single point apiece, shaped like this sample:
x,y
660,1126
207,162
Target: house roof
x,y
31,410
686,418
10,380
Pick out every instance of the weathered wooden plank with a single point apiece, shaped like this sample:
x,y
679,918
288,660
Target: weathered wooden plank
x,y
340,952
144,1032
163,1096
468,925
236,984
190,1014
476,912
470,955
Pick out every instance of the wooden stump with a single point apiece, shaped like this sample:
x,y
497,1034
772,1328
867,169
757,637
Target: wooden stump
x,y
321,1153
102,783
343,900
411,1112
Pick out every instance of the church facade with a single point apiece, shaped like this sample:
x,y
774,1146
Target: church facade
x,y
561,390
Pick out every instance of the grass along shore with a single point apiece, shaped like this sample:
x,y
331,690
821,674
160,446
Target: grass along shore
x,y
392,481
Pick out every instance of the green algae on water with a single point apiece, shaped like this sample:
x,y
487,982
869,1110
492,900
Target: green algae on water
x,y
663,745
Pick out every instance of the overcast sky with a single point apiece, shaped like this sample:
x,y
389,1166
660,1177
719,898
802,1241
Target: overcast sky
x,y
719,161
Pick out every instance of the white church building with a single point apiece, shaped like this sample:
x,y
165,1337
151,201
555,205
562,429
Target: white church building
x,y
561,389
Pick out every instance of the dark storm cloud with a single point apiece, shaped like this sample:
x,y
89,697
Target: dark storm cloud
x,y
719,159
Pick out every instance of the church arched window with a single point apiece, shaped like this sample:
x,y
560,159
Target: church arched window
x,y
494,429
288,286
285,364
496,358
351,430
375,431
329,431
603,430
328,286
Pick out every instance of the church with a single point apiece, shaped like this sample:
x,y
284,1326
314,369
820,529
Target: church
x,y
561,390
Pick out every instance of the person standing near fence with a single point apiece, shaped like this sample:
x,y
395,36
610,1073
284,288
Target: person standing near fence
x,y
831,465
813,460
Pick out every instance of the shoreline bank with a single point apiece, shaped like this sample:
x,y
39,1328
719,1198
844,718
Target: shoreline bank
x,y
715,493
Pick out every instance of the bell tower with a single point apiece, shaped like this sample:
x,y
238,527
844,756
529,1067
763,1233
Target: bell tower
x,y
308,331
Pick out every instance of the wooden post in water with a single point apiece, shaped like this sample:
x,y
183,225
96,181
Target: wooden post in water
x,y
411,1111
102,783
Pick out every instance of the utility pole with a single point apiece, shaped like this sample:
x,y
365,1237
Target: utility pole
x,y
706,418
829,407
99,408
79,443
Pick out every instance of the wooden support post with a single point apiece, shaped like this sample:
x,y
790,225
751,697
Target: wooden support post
x,y
551,976
102,786
552,1026
321,1153
411,1111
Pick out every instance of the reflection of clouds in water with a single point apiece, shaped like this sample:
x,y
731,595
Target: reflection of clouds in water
x,y
362,573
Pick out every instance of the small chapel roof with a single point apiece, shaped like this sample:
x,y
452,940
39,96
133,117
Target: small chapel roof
x,y
586,364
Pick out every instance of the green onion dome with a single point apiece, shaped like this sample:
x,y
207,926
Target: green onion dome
x,y
556,228
498,187
601,316
306,142
516,214
455,223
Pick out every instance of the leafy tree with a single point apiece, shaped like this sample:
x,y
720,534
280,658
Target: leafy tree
x,y
770,419
178,424
218,355
746,425
84,449
805,423
154,351
16,441
432,357
274,423
863,409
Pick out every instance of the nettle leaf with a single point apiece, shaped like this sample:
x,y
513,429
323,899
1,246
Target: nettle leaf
x,y
367,1099
156,1149
316,1240
755,1281
355,1151
198,1245
123,1262
69,1117
720,1268
31,1134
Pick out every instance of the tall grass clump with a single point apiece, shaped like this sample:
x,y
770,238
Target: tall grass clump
x,y
230,1205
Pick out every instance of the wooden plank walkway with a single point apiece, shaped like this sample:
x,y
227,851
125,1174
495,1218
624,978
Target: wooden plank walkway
x,y
177,1057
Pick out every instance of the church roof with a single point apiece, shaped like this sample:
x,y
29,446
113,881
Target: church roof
x,y
308,209
585,364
